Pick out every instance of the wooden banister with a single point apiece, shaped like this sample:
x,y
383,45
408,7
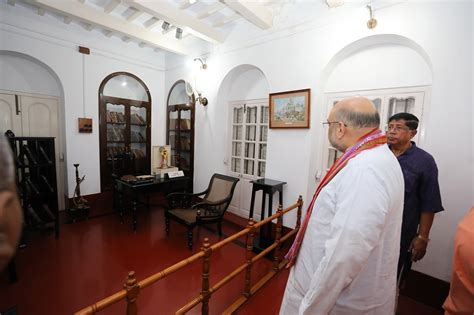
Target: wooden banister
x,y
248,256
132,288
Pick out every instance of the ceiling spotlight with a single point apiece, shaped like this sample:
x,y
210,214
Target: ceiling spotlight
x,y
179,33
334,3
165,26
192,1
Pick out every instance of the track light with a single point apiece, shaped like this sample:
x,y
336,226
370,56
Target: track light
x,y
179,33
165,26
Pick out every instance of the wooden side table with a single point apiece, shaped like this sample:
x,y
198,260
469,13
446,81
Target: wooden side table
x,y
268,187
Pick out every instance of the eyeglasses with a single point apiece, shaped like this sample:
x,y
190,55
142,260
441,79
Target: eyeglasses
x,y
327,123
396,128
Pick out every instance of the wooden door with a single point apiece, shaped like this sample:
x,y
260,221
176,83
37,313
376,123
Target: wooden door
x,y
10,114
40,118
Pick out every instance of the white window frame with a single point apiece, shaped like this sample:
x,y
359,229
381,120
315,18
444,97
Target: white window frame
x,y
259,104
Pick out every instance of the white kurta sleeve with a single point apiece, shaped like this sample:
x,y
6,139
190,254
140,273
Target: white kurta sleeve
x,y
362,204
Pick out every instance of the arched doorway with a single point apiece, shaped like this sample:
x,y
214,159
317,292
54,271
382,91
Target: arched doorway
x,y
244,95
32,104
125,127
391,70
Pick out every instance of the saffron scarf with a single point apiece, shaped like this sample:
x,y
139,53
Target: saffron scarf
x,y
370,140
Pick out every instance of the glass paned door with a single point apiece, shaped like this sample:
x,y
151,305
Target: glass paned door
x,y
185,139
248,151
249,139
138,140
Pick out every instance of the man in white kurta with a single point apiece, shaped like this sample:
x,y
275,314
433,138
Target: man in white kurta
x,y
347,263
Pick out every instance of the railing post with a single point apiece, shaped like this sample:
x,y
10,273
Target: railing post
x,y
205,276
298,213
279,225
248,257
132,293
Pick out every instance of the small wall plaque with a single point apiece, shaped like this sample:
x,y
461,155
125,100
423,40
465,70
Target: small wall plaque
x,y
85,125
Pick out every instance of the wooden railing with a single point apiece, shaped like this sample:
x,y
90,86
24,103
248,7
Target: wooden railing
x,y
132,287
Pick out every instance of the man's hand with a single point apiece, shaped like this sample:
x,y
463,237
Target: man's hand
x,y
418,248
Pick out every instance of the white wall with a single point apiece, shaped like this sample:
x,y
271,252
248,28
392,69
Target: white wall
x,y
308,57
22,75
22,32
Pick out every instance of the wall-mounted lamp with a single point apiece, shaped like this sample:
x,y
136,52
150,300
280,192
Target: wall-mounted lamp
x,y
372,23
202,66
179,33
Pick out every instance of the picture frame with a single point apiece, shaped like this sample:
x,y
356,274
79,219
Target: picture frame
x,y
290,109
85,125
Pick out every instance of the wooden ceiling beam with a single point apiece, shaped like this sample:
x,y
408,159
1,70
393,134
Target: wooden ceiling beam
x,y
167,12
252,11
111,6
89,15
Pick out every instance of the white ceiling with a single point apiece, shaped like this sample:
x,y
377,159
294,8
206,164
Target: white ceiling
x,y
204,23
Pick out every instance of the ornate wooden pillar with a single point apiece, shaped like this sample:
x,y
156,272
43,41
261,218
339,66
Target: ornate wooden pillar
x,y
279,225
132,293
205,276
248,256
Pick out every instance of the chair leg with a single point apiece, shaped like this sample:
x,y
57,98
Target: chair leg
x,y
190,238
219,227
167,225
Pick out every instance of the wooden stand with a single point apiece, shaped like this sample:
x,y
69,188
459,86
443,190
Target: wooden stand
x,y
268,187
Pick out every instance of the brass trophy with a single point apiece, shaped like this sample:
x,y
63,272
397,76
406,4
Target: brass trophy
x,y
81,206
164,157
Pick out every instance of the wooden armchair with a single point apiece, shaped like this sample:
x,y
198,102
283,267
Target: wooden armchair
x,y
191,210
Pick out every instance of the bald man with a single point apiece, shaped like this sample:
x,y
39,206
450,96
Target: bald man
x,y
10,209
344,258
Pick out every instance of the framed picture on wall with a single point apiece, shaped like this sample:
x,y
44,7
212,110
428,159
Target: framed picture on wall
x,y
290,109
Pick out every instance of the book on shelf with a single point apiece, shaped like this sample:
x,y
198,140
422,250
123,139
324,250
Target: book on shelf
x,y
137,119
113,152
115,117
138,153
173,123
185,124
137,136
115,134
185,144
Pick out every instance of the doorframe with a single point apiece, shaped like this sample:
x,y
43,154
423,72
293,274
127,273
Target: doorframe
x,y
61,140
228,156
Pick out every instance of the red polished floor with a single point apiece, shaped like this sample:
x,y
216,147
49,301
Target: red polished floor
x,y
92,258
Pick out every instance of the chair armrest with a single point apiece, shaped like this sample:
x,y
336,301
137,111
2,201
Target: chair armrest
x,y
211,209
181,200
